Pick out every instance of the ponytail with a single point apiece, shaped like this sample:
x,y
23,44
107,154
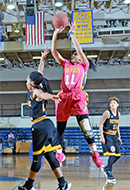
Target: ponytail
x,y
46,86
92,65
39,79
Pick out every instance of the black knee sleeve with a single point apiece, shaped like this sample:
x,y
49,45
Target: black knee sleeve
x,y
36,163
50,156
90,140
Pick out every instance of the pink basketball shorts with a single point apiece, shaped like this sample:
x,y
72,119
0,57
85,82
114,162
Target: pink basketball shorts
x,y
73,102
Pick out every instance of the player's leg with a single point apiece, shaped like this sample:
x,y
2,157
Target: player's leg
x,y
60,131
35,167
112,160
108,170
60,134
63,185
62,115
84,123
111,149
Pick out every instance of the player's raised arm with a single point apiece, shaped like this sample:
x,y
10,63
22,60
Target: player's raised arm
x,y
77,45
43,56
54,52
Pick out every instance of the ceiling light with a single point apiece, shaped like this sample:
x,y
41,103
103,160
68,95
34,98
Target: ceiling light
x,y
37,57
128,55
58,3
127,1
2,58
17,30
92,56
10,6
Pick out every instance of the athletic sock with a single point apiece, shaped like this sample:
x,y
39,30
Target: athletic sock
x,y
59,151
61,181
93,148
29,183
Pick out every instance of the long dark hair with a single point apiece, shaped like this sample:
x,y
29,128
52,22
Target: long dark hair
x,y
92,65
38,79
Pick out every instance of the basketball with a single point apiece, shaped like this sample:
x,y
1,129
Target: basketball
x,y
59,20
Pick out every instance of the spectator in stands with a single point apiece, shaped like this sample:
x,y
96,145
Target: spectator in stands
x,y
109,126
11,139
74,100
44,136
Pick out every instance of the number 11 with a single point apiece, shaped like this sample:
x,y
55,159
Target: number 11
x,y
72,79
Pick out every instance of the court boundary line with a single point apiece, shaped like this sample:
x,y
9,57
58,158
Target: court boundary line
x,y
18,184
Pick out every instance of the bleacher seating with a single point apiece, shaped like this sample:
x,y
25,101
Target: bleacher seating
x,y
74,138
20,134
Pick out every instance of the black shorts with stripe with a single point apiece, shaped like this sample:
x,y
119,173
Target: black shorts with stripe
x,y
111,146
44,137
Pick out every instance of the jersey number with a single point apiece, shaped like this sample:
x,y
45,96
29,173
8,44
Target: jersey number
x,y
72,79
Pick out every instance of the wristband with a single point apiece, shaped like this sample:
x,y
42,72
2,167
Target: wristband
x,y
71,33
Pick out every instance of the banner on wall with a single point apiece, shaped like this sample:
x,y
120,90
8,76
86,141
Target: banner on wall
x,y
83,21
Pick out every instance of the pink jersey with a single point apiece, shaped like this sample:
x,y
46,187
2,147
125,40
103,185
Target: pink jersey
x,y
10,136
74,76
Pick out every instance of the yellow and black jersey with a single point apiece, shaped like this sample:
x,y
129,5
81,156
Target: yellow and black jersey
x,y
111,123
36,109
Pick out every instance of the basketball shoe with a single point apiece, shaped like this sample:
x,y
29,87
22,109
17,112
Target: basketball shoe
x,y
97,160
25,188
110,178
66,186
60,157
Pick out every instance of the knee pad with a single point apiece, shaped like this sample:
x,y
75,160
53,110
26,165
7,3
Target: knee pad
x,y
86,129
50,156
36,165
54,163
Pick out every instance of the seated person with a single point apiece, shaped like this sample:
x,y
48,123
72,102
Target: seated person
x,y
11,139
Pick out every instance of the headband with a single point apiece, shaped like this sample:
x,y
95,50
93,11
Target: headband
x,y
115,100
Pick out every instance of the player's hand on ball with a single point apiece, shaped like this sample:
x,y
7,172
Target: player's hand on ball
x,y
59,30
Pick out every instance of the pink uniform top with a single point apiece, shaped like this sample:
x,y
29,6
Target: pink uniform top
x,y
74,76
10,136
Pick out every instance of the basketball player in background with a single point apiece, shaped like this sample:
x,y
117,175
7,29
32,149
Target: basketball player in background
x,y
109,127
74,100
45,139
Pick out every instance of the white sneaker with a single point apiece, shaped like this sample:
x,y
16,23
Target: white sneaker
x,y
24,188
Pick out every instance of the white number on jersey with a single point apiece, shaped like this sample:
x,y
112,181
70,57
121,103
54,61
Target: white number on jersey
x,y
72,79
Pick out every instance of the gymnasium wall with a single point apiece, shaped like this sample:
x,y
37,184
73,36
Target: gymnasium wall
x,y
53,73
103,72
18,122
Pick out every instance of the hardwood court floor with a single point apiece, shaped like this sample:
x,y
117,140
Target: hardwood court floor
x,y
79,170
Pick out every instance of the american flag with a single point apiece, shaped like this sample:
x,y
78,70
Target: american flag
x,y
35,29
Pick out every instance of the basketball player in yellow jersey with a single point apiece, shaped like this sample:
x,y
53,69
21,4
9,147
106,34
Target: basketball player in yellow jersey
x,y
110,137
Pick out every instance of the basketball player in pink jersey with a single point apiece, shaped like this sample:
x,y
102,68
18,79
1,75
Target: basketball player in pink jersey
x,y
74,100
